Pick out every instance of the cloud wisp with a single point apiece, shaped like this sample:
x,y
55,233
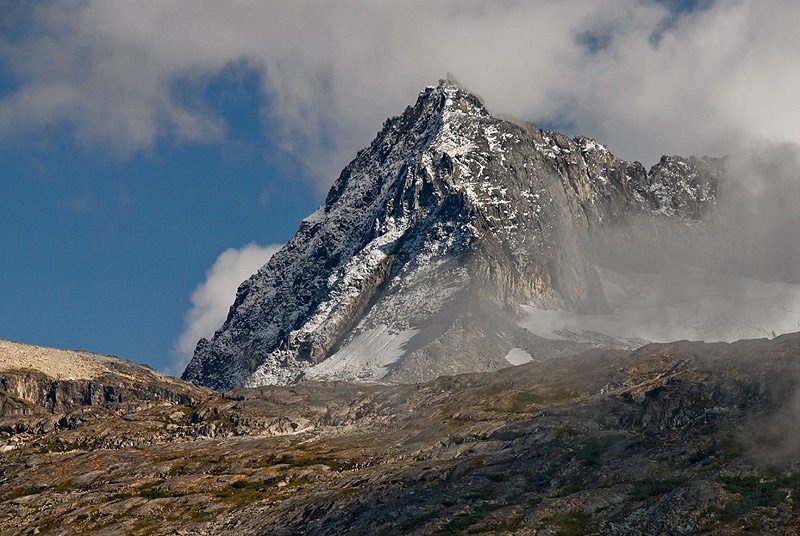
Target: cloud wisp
x,y
212,299
640,77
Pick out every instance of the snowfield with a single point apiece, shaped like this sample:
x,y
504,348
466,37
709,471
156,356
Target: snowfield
x,y
367,357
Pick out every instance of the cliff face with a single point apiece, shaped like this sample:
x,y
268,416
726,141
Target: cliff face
x,y
41,387
431,238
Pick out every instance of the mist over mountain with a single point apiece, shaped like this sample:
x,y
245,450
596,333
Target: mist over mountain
x,y
442,247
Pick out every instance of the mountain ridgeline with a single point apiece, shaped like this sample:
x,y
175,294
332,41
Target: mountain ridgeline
x,y
434,235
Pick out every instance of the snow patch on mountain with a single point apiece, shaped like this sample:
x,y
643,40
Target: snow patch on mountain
x,y
367,357
518,356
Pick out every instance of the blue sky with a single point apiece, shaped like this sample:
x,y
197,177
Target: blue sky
x,y
140,141
101,249
102,252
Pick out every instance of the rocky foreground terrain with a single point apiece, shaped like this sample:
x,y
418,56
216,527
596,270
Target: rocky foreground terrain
x,y
680,438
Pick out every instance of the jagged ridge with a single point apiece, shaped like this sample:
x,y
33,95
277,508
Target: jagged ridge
x,y
429,240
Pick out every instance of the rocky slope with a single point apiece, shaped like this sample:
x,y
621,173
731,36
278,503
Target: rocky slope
x,y
40,386
431,238
682,438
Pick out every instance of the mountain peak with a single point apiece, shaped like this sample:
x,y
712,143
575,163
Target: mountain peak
x,y
429,242
450,81
450,95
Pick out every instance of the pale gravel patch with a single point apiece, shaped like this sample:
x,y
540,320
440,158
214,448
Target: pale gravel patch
x,y
59,364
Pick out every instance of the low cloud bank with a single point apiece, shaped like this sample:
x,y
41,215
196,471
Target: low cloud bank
x,y
644,77
758,225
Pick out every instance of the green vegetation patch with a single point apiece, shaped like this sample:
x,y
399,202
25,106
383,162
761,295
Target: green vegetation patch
x,y
528,401
497,477
417,521
574,523
256,484
61,446
538,481
16,493
148,490
570,489
484,493
653,487
465,523
591,451
754,492
244,491
702,454
331,462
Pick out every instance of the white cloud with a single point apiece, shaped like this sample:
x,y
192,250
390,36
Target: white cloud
x,y
333,71
212,299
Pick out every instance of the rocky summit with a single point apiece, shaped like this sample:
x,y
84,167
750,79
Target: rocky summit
x,y
431,240
682,438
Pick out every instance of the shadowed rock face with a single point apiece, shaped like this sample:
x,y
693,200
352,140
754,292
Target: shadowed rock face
x,y
680,438
449,218
40,386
